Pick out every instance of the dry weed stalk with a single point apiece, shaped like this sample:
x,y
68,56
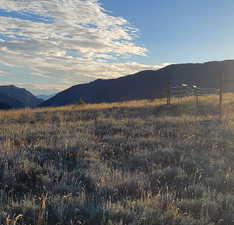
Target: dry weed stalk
x,y
41,219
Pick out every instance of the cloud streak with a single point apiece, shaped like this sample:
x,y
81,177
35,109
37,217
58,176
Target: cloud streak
x,y
73,40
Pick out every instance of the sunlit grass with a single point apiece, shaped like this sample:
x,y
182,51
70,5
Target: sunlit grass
x,y
212,99
139,162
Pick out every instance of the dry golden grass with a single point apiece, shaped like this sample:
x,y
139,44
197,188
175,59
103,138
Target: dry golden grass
x,y
17,114
127,163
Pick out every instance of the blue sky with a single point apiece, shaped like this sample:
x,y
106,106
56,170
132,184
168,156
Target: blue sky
x,y
181,30
47,46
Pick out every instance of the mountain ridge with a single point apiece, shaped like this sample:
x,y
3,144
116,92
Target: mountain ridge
x,y
45,97
16,97
145,84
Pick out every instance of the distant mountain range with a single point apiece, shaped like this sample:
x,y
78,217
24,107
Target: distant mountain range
x,y
143,85
14,97
45,97
146,84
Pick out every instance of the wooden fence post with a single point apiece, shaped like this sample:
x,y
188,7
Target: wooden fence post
x,y
168,93
220,96
196,96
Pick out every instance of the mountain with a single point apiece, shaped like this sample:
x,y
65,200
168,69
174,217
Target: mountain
x,y
7,102
4,106
45,97
18,97
147,84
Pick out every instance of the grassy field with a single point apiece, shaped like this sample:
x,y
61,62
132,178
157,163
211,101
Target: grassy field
x,y
130,163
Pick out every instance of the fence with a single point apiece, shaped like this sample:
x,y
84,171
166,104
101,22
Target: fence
x,y
185,90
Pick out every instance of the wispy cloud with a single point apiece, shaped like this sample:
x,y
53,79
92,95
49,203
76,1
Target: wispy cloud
x,y
69,39
3,72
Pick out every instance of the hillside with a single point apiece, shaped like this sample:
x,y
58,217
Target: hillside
x,y
4,106
128,163
7,102
146,84
14,94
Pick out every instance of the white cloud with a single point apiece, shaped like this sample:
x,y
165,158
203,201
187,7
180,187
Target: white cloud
x,y
62,26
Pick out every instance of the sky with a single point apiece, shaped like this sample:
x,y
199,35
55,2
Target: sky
x,y
49,45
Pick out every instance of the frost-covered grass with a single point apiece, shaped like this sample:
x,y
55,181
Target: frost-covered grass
x,y
125,163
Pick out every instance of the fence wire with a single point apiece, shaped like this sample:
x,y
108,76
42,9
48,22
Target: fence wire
x,y
186,91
